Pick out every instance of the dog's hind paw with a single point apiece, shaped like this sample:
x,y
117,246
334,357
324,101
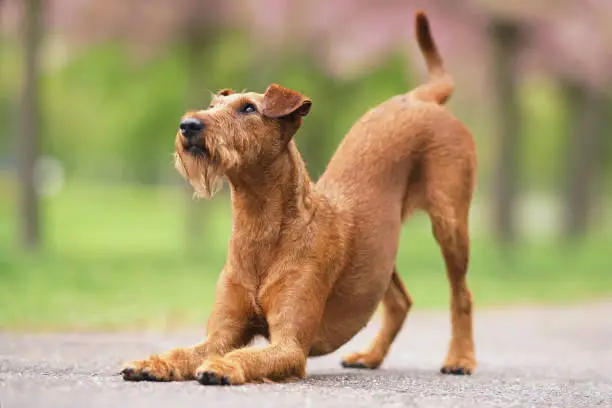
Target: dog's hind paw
x,y
456,370
362,361
459,366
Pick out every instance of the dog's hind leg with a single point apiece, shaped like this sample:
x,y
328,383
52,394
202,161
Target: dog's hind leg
x,y
450,228
396,305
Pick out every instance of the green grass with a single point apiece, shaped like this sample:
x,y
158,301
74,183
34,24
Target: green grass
x,y
116,257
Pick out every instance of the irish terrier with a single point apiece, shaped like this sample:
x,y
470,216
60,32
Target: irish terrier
x,y
308,263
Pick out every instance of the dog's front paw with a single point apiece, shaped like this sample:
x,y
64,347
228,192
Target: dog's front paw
x,y
220,371
362,360
153,369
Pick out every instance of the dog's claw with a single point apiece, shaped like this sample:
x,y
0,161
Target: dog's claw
x,y
357,364
130,374
147,376
456,370
211,378
127,374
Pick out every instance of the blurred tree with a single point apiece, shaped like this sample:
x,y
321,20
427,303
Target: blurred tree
x,y
574,47
29,125
506,44
569,41
588,118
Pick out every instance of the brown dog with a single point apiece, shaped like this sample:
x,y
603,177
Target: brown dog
x,y
308,263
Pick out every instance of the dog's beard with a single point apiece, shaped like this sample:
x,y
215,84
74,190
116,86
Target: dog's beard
x,y
202,173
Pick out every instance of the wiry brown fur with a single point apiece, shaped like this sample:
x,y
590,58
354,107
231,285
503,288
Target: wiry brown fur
x,y
308,263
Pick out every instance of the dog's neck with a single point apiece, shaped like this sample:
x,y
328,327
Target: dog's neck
x,y
279,193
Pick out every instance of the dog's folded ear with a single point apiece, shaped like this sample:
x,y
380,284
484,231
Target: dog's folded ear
x,y
280,102
225,92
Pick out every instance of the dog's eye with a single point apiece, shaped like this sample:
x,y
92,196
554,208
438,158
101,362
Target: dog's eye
x,y
248,108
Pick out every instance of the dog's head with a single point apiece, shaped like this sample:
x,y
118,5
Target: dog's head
x,y
236,132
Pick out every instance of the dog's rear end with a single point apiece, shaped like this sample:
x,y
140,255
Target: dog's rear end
x,y
407,154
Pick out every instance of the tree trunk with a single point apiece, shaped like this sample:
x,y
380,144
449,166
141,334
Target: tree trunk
x,y
587,113
506,42
28,126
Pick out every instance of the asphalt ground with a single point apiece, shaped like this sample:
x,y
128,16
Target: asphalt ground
x,y
528,357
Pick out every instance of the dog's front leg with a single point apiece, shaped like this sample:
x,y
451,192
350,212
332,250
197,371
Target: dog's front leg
x,y
227,330
293,318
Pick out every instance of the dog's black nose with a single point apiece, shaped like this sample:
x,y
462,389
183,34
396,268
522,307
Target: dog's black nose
x,y
191,127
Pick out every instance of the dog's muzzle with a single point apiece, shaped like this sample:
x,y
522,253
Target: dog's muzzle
x,y
191,129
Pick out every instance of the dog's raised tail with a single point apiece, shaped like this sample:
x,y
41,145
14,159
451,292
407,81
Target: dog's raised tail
x,y
440,84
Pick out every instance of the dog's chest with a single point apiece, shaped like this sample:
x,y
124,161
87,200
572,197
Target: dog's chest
x,y
252,258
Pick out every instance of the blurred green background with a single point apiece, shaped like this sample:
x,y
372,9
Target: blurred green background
x,y
97,230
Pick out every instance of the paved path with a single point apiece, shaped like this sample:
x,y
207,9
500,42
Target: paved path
x,y
555,357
